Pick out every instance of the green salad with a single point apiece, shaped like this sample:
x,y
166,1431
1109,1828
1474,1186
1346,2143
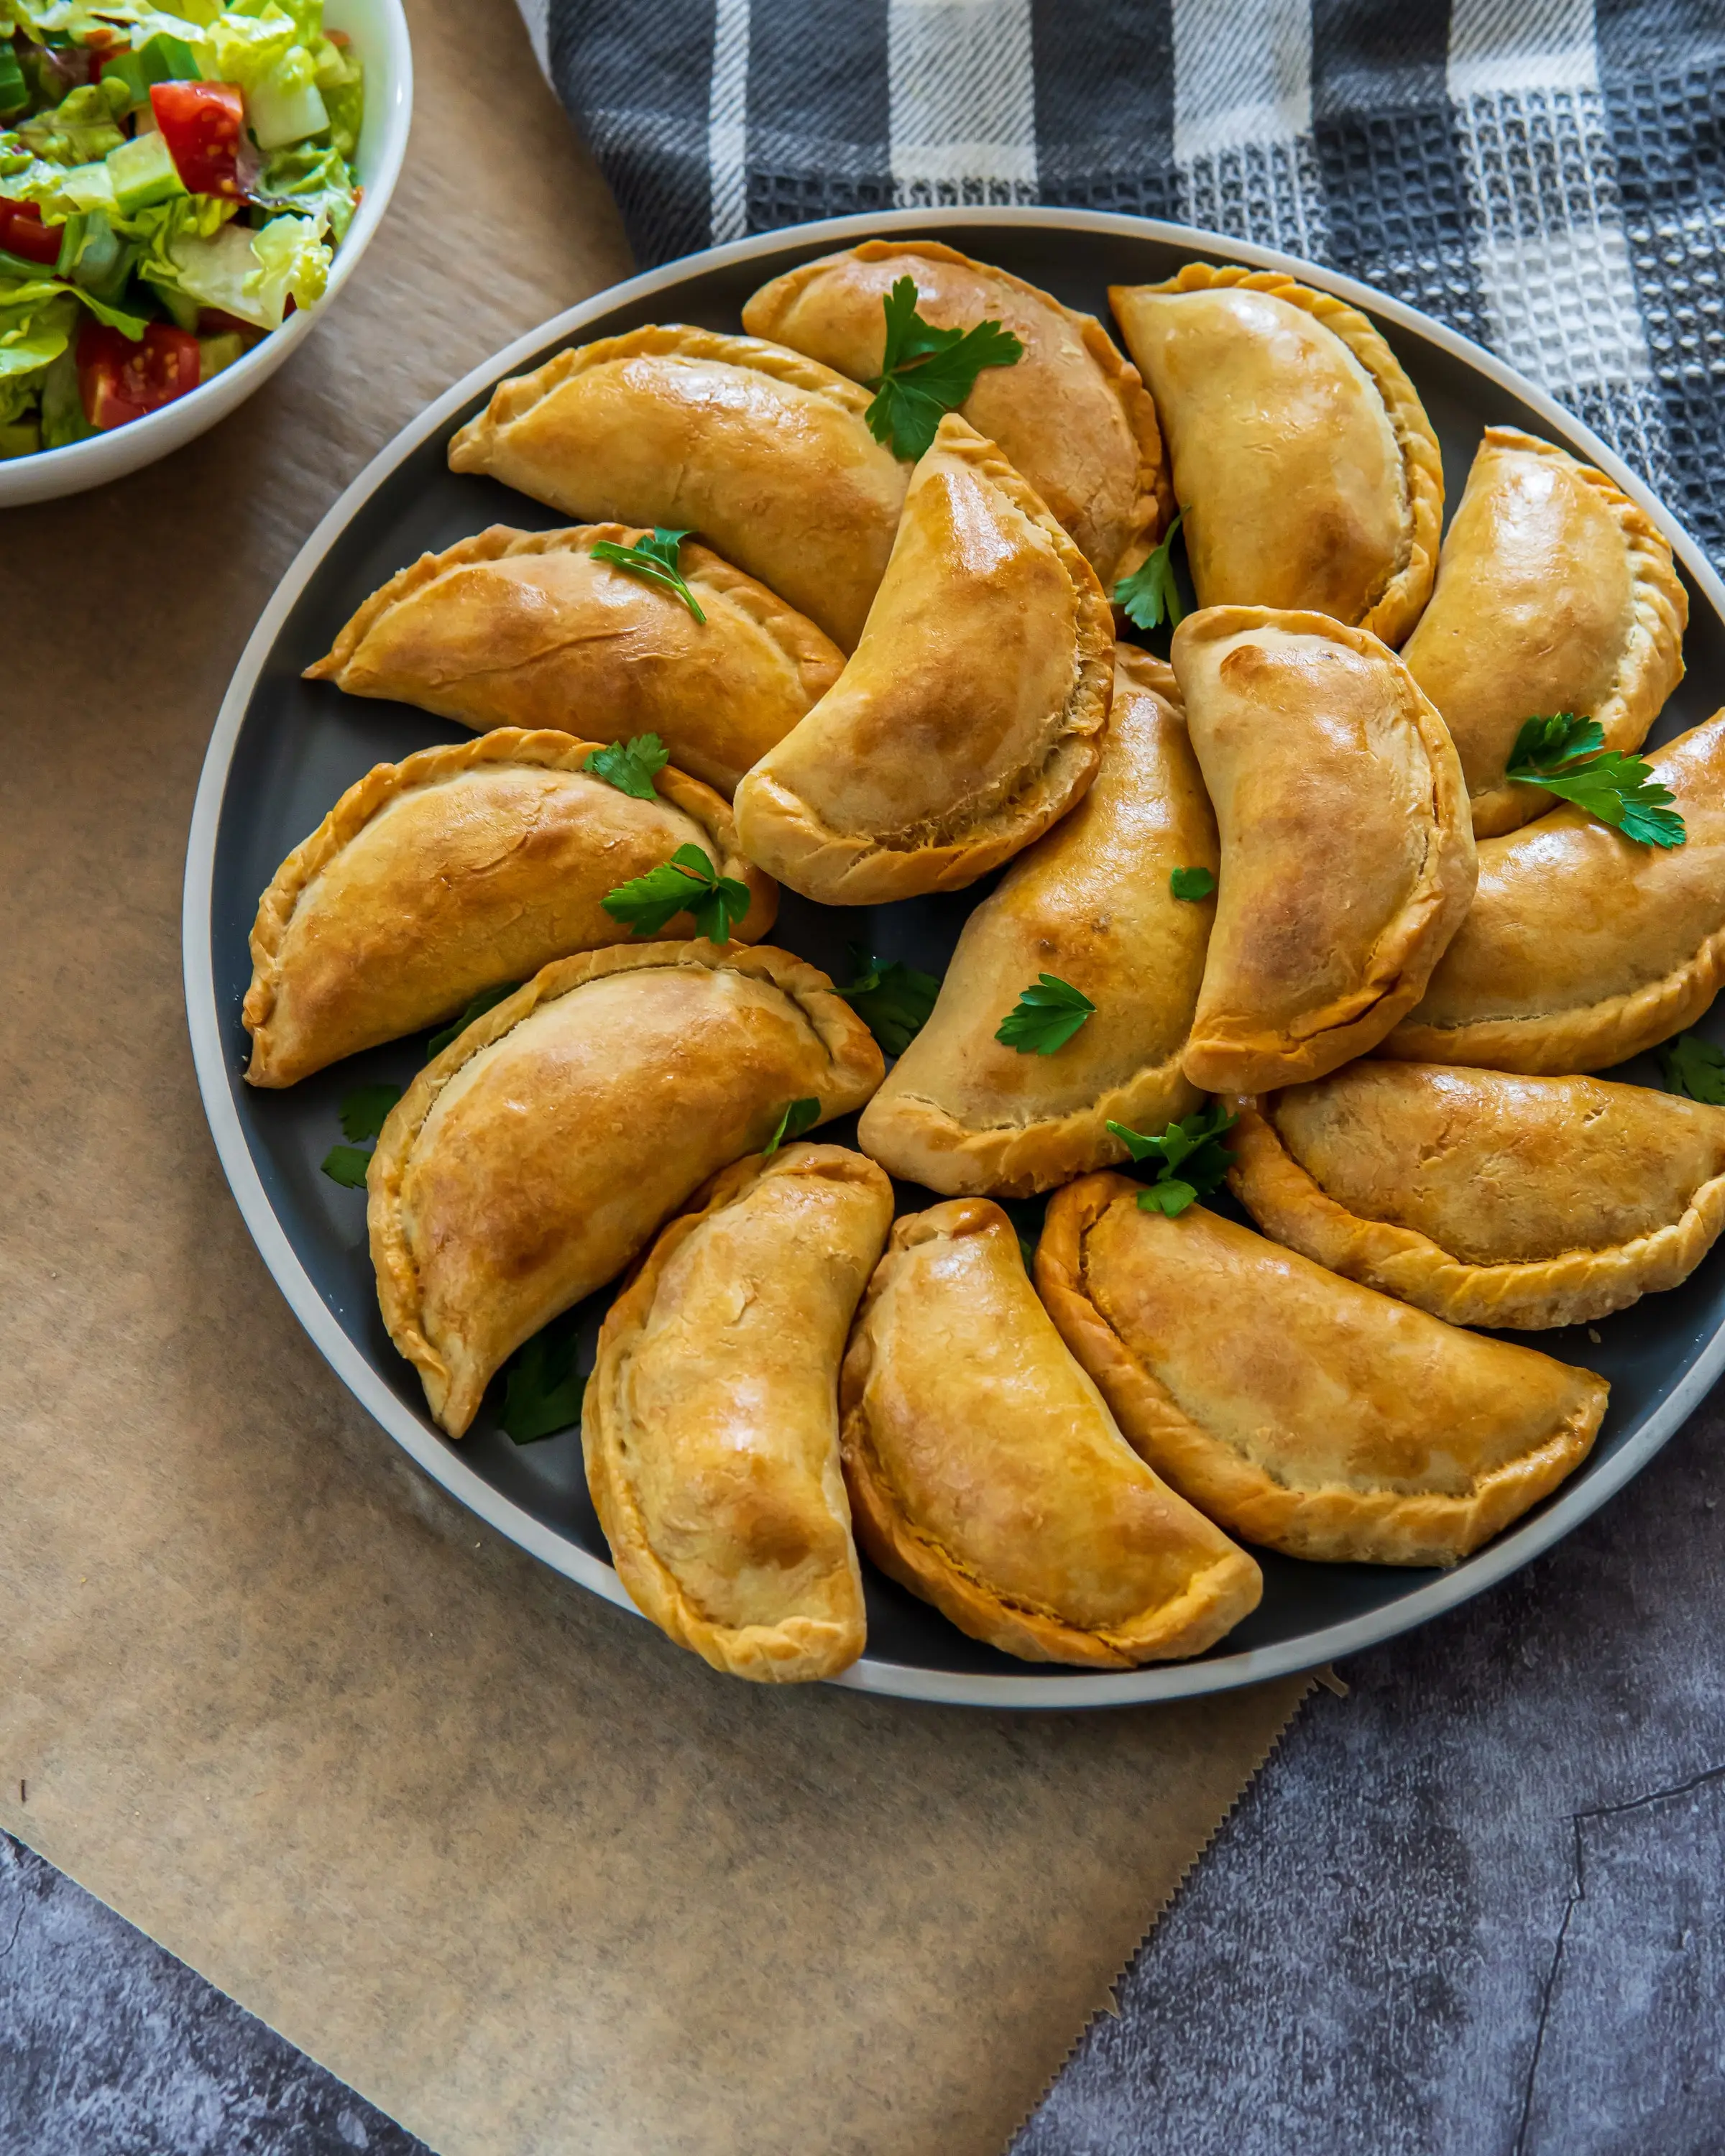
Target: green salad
x,y
172,186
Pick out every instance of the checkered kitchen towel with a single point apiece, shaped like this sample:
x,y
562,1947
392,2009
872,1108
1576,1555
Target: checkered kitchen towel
x,y
1547,175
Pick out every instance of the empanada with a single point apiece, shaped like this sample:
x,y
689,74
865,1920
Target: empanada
x,y
457,867
1581,947
969,716
1091,903
1304,461
530,1162
1294,1408
1348,859
710,1421
526,628
1071,414
987,1476
763,452
1486,1198
1554,593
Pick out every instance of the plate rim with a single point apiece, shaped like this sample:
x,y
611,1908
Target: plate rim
x,y
438,1458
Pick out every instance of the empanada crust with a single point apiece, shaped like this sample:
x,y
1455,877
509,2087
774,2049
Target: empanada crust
x,y
1554,593
1347,858
1304,461
1582,948
987,1476
526,628
1294,1409
459,867
969,716
762,452
710,1425
1090,902
1072,414
1486,1198
535,1156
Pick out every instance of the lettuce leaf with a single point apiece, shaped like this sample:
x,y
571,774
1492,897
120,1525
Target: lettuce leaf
x,y
293,261
36,326
77,131
37,298
251,275
308,180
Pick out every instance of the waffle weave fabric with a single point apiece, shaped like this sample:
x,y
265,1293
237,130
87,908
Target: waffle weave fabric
x,y
1545,176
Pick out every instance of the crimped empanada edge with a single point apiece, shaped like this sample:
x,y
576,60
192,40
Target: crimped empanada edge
x,y
1328,1526
539,748
1392,615
1289,1203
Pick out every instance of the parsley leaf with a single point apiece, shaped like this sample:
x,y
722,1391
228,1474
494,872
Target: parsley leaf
x,y
347,1165
486,1000
687,883
1192,883
1193,1146
1695,1067
656,560
1044,1018
364,1109
630,766
1150,595
892,1000
926,373
1567,756
798,1117
542,1386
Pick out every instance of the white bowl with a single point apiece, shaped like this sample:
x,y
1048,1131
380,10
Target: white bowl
x,y
379,31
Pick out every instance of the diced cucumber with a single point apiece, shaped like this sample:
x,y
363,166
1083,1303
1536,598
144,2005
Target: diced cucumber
x,y
181,308
20,438
143,173
216,352
88,187
280,111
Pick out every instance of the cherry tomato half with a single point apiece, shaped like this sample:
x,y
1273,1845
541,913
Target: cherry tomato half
x,y
119,380
200,123
21,232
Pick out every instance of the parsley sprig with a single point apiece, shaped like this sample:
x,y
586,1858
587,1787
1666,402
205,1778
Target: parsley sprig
x,y
542,1386
1044,1018
1193,1161
926,373
1192,884
798,1117
656,560
630,766
892,998
1696,1067
1151,595
687,883
1568,757
363,1112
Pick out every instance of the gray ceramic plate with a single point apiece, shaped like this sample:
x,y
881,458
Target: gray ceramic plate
x,y
283,749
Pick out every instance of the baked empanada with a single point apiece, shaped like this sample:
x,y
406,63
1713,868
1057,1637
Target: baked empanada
x,y
710,1421
1554,593
530,1162
1581,947
1090,903
1071,414
459,867
1294,1408
526,628
763,452
1486,1198
1302,457
1348,859
970,714
987,1476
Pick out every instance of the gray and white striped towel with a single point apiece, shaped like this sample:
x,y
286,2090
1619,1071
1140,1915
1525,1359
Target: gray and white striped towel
x,y
1548,176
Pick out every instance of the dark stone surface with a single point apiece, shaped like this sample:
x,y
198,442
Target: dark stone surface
x,y
1472,1909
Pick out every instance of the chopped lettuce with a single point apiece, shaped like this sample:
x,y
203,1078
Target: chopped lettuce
x,y
40,296
253,274
78,130
36,326
308,180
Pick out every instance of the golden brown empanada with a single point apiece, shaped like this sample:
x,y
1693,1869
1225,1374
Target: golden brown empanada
x,y
1346,856
1302,457
1294,1408
710,1421
763,452
530,1162
1581,947
1071,414
1554,593
459,867
526,628
987,1476
1486,1198
970,715
1090,903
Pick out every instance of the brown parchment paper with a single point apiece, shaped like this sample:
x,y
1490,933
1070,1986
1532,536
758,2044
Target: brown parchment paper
x,y
525,1876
